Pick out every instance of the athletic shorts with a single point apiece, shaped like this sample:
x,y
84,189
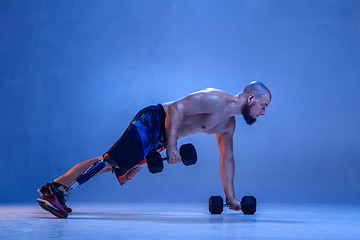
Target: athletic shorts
x,y
146,133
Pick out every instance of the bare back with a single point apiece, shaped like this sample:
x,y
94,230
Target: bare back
x,y
207,111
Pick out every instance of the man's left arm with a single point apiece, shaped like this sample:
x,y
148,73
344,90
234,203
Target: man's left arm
x,y
227,164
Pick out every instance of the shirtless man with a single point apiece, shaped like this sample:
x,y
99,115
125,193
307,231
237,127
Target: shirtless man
x,y
154,128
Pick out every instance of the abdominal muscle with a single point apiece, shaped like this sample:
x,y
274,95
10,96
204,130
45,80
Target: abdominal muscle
x,y
205,123
209,123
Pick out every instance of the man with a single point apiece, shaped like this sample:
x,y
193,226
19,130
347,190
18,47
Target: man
x,y
154,128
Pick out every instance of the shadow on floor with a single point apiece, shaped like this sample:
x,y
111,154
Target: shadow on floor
x,y
177,219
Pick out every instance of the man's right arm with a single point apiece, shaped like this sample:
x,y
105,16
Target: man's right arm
x,y
173,120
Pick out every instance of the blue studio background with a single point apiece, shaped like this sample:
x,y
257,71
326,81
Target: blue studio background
x,y
74,73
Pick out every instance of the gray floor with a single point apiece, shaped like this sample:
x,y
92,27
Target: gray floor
x,y
180,221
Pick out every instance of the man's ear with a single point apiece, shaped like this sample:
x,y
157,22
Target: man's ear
x,y
250,98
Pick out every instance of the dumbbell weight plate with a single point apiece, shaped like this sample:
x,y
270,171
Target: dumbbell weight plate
x,y
248,204
188,154
216,205
154,162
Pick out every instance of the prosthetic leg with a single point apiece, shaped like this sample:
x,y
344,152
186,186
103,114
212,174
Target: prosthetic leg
x,y
94,169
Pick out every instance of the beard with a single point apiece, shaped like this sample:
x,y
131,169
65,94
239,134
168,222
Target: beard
x,y
246,114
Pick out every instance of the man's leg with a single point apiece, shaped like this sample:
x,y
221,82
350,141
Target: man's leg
x,y
70,176
126,155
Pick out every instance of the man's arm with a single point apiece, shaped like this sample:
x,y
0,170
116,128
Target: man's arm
x,y
227,164
173,120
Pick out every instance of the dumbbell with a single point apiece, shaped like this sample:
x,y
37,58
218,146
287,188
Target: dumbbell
x,y
155,161
216,205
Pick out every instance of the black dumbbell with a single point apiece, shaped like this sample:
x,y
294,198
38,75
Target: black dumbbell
x,y
216,205
155,161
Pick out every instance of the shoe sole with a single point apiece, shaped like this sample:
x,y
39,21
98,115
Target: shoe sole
x,y
48,207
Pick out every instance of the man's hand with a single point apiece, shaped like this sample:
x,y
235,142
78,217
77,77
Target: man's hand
x,y
235,203
173,155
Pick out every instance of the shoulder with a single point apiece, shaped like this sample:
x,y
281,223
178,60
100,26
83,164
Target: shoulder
x,y
211,91
211,96
204,101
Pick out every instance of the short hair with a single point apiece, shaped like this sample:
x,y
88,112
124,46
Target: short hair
x,y
257,88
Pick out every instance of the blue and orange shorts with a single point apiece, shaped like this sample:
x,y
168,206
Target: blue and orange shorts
x,y
146,133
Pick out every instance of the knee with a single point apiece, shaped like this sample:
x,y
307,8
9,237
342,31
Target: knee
x,y
108,167
109,160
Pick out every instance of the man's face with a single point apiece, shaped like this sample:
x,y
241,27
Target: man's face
x,y
254,108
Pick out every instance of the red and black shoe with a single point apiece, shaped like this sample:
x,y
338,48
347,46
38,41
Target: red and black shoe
x,y
53,200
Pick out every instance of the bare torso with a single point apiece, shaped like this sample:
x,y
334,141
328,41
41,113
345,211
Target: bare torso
x,y
216,118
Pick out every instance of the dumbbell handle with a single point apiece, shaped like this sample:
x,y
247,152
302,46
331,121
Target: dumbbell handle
x,y
228,205
164,158
225,204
